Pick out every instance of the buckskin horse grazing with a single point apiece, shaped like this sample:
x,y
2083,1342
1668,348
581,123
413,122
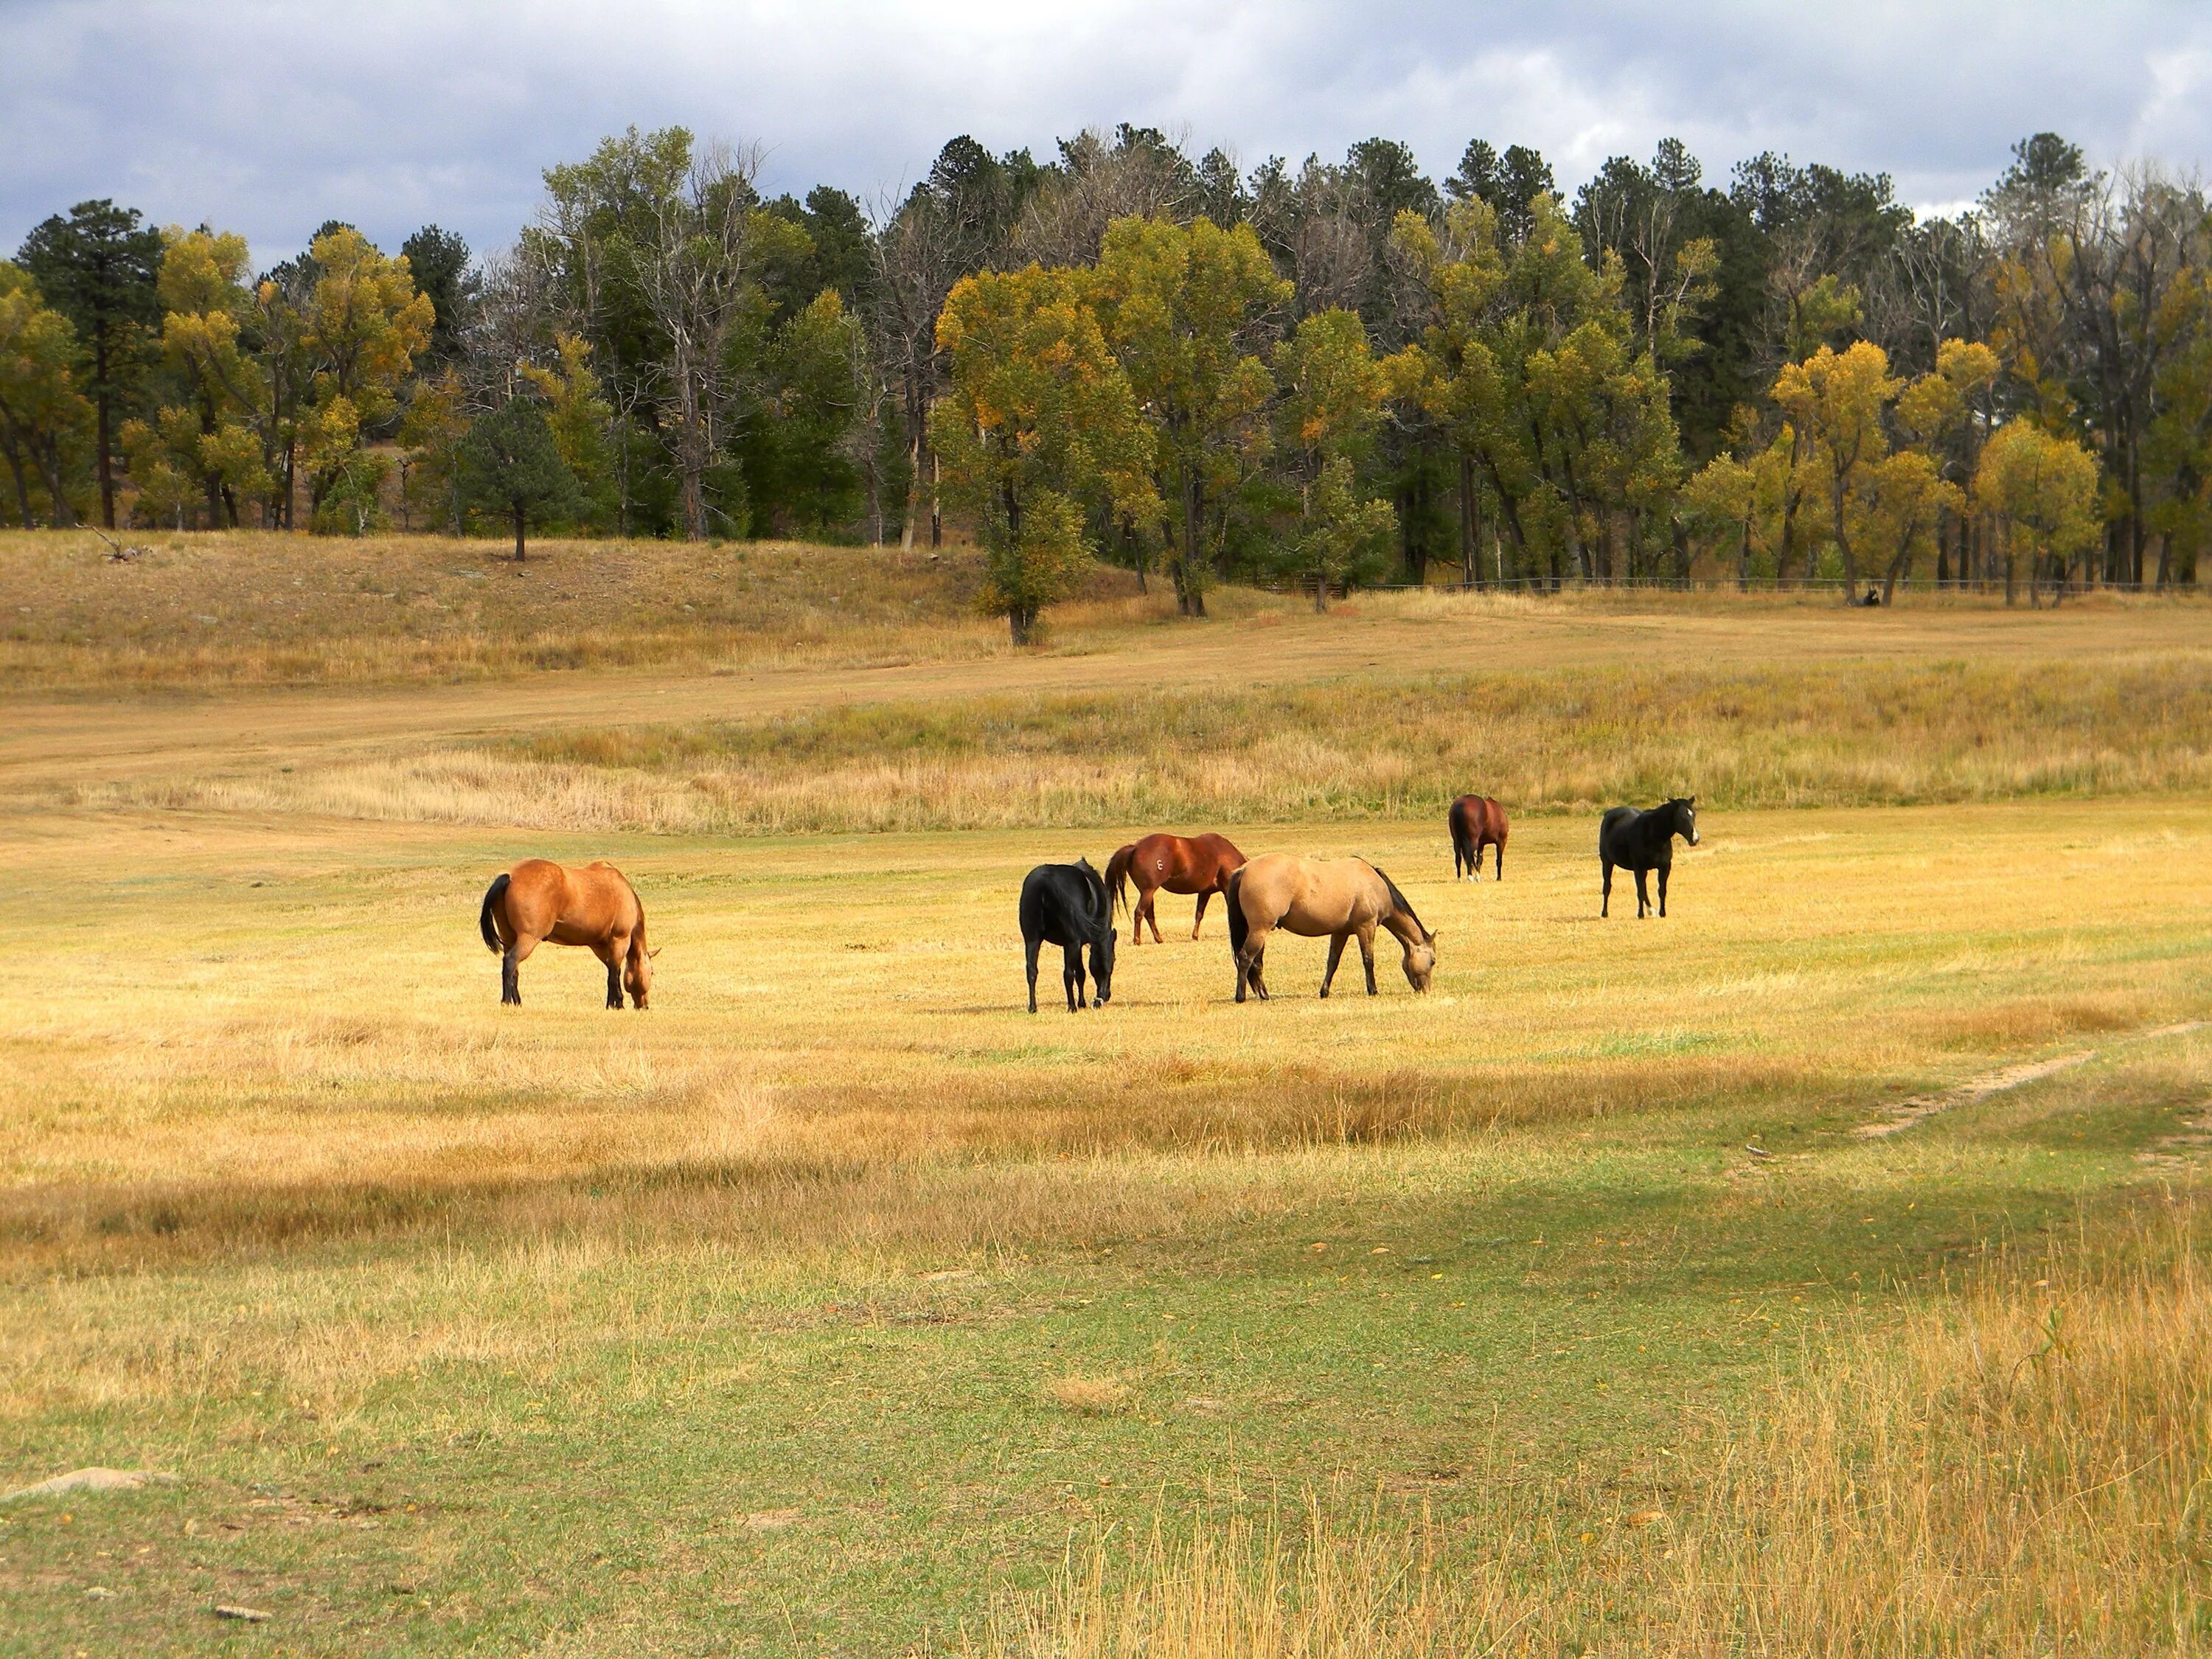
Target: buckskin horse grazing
x,y
595,906
1643,841
1340,898
1181,864
1066,903
1475,821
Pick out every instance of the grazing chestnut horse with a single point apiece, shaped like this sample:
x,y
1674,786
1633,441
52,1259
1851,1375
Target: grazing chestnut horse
x,y
1337,897
1475,821
594,906
1192,864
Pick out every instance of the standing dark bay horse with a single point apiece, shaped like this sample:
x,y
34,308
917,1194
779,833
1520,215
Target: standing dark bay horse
x,y
1643,841
1181,864
1066,904
595,906
1475,821
1338,898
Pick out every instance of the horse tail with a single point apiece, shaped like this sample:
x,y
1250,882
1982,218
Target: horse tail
x,y
1117,874
1232,890
493,895
1398,900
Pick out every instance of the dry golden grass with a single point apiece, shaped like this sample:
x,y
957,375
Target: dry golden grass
x,y
1093,1396
244,609
840,1283
1831,736
244,1042
2017,1468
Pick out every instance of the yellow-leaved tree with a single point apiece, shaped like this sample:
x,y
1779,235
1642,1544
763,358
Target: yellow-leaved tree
x,y
1038,427
361,330
201,452
2040,491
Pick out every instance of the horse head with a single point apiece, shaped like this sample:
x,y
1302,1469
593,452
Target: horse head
x,y
1102,963
637,975
1685,819
1421,961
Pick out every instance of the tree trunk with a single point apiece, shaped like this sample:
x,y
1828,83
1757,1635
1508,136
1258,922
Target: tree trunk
x,y
101,403
1470,532
936,503
521,552
22,486
1021,623
913,488
1191,589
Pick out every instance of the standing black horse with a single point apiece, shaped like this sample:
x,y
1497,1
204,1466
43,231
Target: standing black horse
x,y
1066,903
1645,841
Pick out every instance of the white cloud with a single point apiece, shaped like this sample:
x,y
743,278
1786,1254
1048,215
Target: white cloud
x,y
270,117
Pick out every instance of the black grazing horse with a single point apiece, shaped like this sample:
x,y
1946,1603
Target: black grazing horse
x,y
1645,841
1066,903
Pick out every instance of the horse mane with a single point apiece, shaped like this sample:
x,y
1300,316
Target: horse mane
x,y
1097,885
1398,900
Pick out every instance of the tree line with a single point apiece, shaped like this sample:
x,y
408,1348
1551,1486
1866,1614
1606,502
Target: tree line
x,y
1324,375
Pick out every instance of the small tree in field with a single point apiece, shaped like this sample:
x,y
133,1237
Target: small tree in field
x,y
511,465
1038,426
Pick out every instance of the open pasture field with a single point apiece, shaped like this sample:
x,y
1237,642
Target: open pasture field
x,y
836,1303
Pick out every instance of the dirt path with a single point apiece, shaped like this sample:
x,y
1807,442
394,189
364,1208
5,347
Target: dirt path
x,y
1902,1114
51,742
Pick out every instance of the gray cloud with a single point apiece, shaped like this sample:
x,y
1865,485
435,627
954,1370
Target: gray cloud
x,y
269,118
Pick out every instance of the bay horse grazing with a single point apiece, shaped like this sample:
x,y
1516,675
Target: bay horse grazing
x,y
1066,904
1476,822
1181,864
595,906
1312,897
1643,841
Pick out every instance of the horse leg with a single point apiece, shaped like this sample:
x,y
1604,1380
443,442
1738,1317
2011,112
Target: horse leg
x,y
1498,861
1198,920
1031,946
1248,965
510,966
611,954
1663,869
1367,955
1071,975
1606,908
1149,906
1643,894
1336,944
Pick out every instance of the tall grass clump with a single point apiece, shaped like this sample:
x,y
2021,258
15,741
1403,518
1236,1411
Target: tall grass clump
x,y
1838,734
2020,1467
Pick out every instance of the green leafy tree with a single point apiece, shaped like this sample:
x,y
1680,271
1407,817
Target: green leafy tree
x,y
442,267
511,464
1037,426
97,267
45,422
1186,310
1331,405
200,451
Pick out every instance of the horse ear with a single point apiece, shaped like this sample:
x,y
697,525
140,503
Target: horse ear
x,y
1433,935
654,952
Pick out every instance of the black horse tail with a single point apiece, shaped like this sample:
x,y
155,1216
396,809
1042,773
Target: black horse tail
x,y
1232,892
493,895
1117,874
1398,900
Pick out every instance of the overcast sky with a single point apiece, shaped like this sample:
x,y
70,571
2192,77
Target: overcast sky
x,y
270,116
